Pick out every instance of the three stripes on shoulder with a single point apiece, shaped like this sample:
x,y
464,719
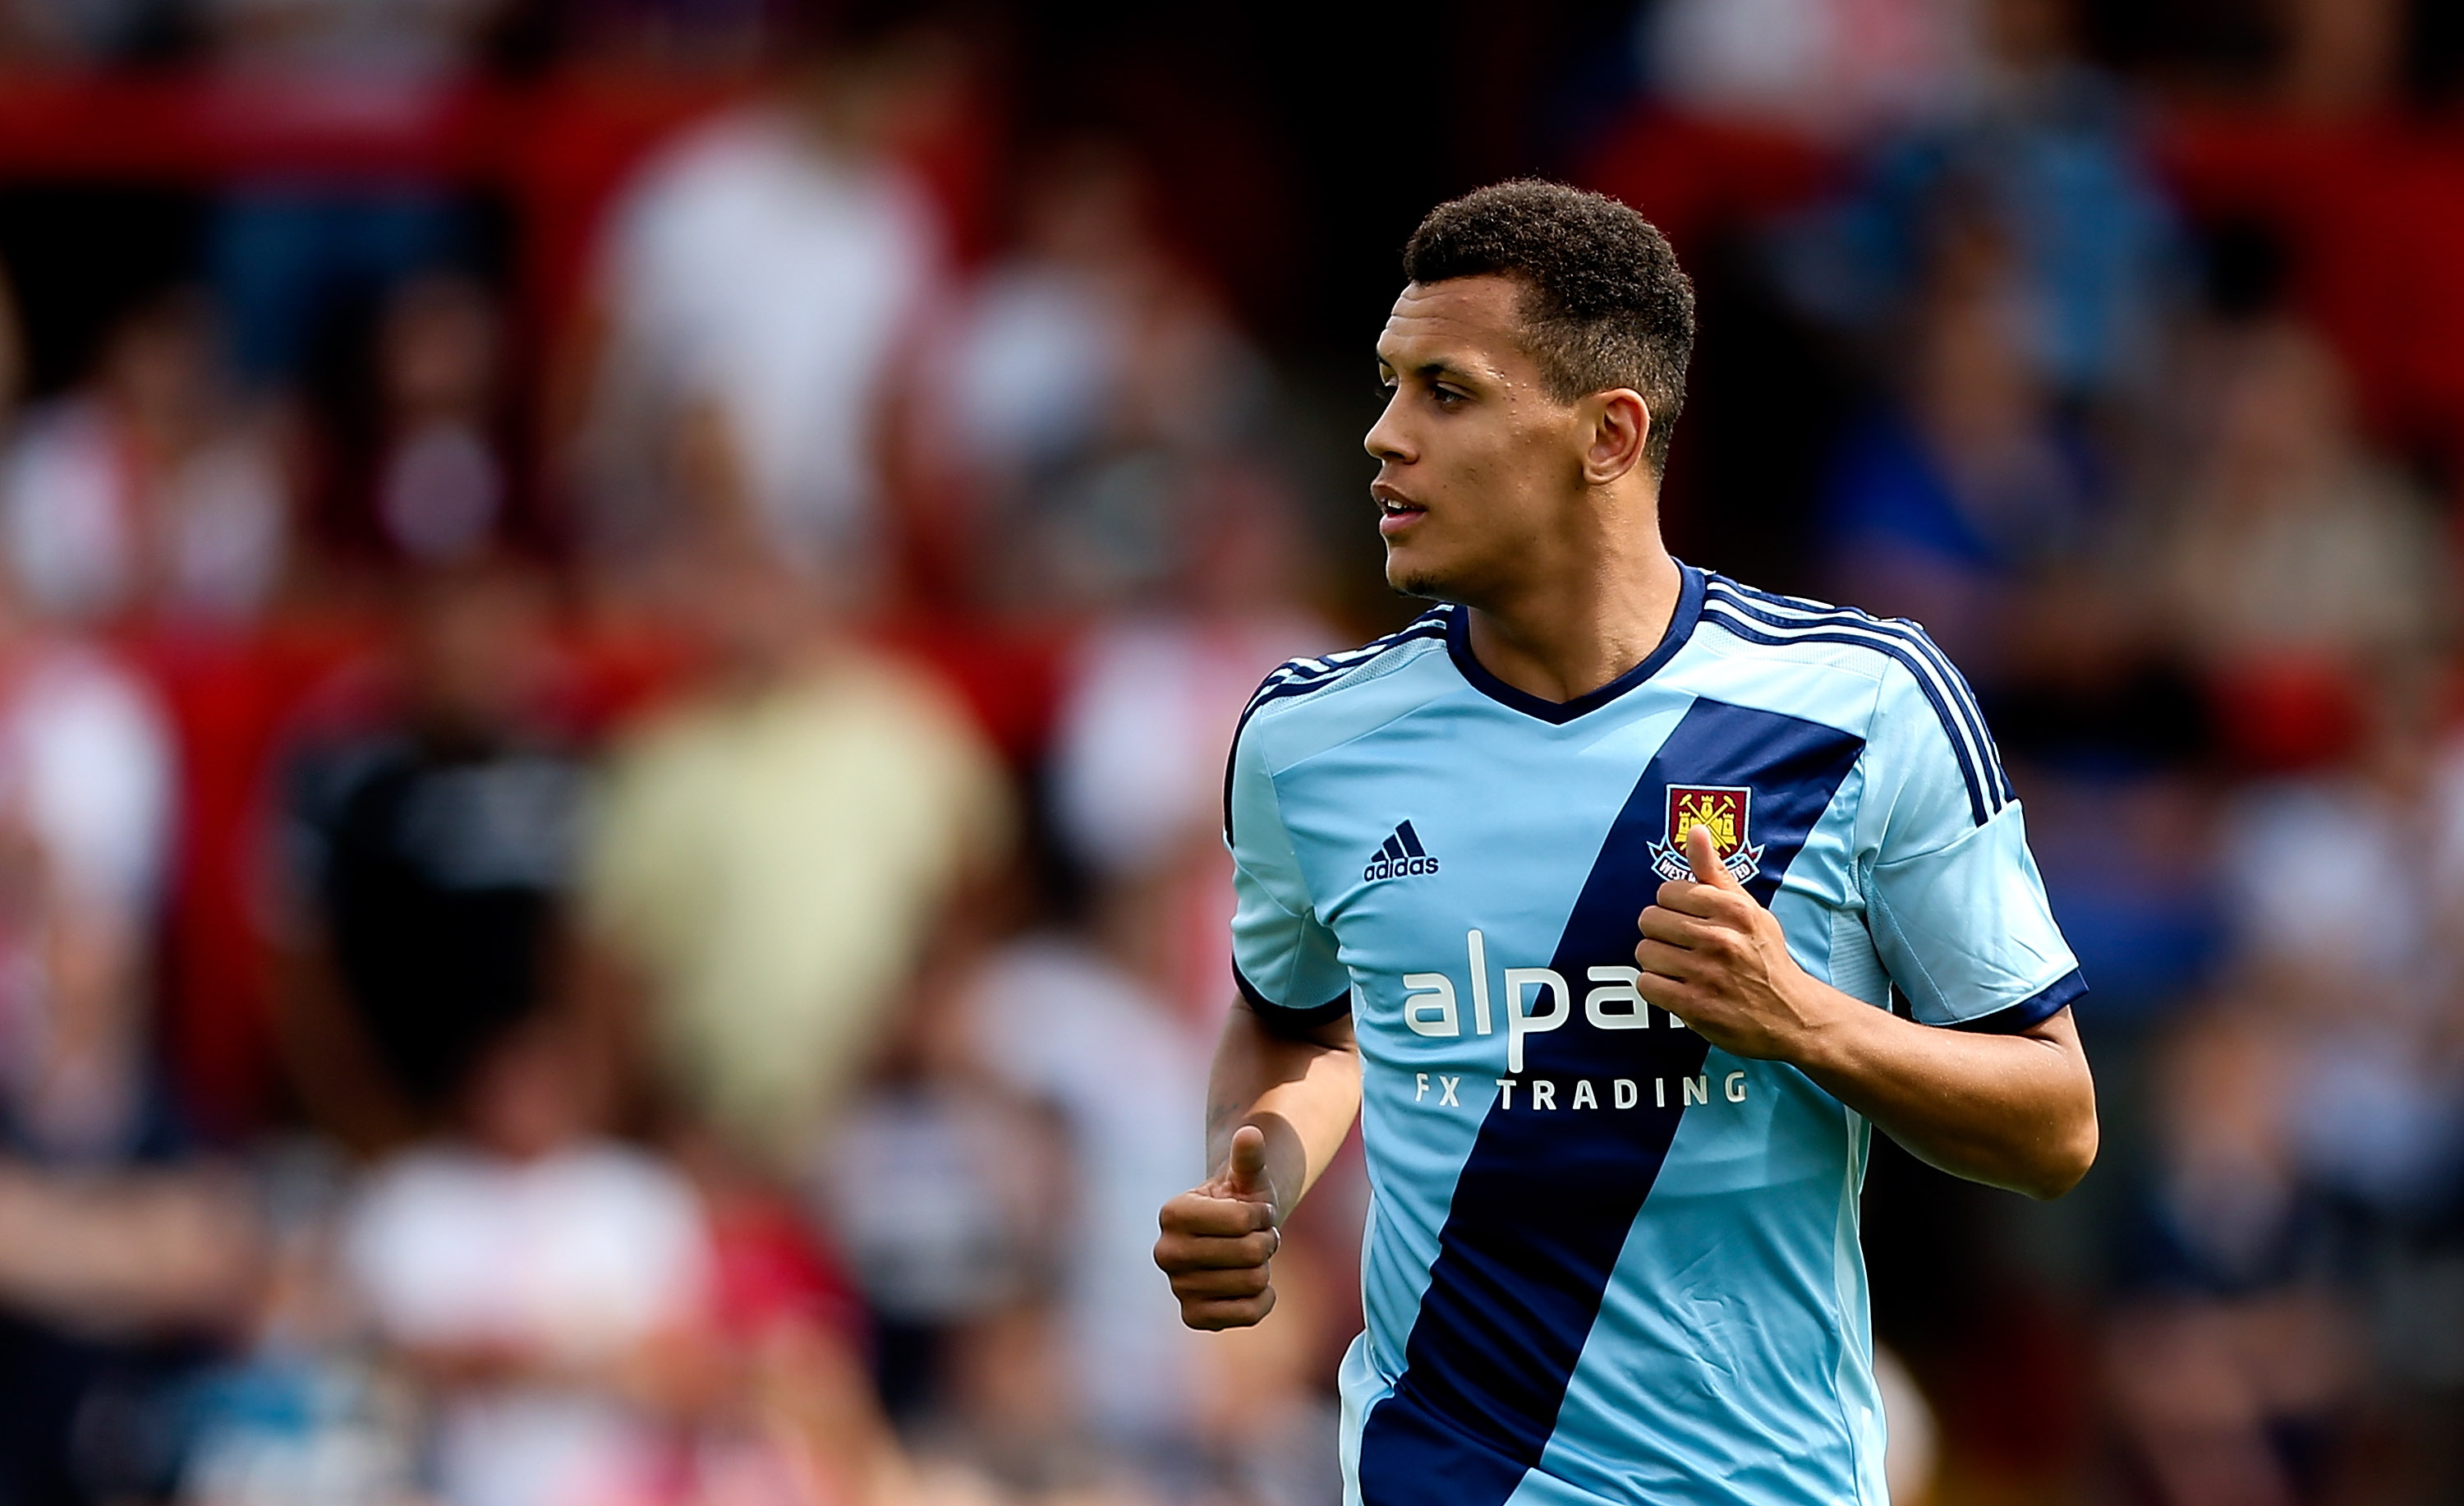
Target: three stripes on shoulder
x,y
1766,618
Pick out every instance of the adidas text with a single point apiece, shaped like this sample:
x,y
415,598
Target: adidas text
x,y
1397,868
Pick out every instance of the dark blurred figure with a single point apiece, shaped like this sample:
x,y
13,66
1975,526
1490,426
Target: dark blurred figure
x,y
2348,882
669,39
363,44
1063,1025
1109,435
120,1256
431,839
296,258
2292,553
1093,394
2111,739
441,487
735,364
1112,428
151,490
15,357
952,1193
1150,695
90,32
2234,1363
2337,138
1973,483
2049,151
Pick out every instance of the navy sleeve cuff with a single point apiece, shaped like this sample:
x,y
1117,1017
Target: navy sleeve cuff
x,y
2036,1010
1284,1017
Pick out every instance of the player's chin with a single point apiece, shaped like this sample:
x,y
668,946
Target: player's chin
x,y
1410,572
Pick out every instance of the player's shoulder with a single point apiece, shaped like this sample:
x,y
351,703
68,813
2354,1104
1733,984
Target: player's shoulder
x,y
1918,689
1306,700
1799,630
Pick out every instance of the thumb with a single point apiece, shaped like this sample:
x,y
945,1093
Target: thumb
x,y
1703,856
1246,1177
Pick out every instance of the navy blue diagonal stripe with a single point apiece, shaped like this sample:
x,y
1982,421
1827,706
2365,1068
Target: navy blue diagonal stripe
x,y
1394,849
1411,840
1546,1199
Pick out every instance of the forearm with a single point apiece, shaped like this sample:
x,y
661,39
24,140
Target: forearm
x,y
2016,1111
1301,1091
138,1253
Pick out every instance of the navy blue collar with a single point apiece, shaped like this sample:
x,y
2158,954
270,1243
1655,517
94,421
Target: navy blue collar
x,y
1681,627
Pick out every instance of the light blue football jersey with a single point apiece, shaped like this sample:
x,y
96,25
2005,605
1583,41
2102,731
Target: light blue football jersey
x,y
1604,1262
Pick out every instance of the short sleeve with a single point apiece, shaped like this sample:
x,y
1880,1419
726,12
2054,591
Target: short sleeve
x,y
1954,901
1283,958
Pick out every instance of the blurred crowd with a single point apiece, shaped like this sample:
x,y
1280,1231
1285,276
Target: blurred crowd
x,y
610,881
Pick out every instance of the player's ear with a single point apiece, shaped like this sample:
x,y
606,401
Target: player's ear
x,y
1619,422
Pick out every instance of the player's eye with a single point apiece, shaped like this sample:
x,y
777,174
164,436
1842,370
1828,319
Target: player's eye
x,y
1447,396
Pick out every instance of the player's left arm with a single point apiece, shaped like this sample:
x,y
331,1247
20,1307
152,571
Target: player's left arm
x,y
2014,1110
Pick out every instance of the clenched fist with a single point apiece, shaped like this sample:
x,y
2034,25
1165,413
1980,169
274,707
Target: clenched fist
x,y
1218,1238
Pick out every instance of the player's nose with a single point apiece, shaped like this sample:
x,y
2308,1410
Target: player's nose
x,y
1386,440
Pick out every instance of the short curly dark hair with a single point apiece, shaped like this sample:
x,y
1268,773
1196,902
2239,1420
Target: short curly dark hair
x,y
1604,303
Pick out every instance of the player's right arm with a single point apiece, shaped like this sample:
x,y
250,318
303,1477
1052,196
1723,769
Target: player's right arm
x,y
1281,1100
1287,1079
1980,1071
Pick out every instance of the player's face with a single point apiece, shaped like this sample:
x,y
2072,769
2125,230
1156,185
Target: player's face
x,y
1478,467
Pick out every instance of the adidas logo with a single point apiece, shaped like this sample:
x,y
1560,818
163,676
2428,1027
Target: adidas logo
x,y
1401,856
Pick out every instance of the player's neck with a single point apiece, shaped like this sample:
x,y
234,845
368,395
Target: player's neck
x,y
1583,629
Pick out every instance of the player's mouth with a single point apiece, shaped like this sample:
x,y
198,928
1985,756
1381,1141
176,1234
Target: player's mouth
x,y
1396,512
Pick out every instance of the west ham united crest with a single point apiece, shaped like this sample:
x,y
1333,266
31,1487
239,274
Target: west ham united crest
x,y
1728,809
